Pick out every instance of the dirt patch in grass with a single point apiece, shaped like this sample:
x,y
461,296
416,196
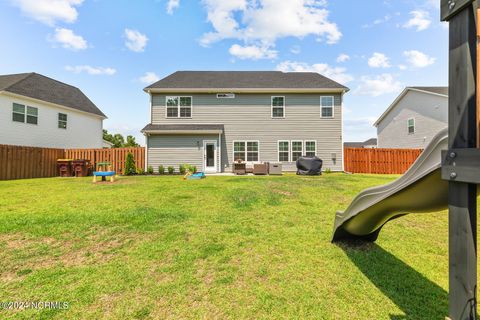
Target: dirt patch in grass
x,y
33,254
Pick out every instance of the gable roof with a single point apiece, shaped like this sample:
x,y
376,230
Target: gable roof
x,y
37,86
244,81
437,91
369,142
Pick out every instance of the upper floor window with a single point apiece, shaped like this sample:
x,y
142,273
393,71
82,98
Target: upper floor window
x,y
310,148
62,121
278,107
22,113
326,106
246,151
179,107
411,125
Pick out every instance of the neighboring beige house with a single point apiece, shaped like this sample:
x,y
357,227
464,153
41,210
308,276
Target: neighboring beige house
x,y
414,118
212,118
39,111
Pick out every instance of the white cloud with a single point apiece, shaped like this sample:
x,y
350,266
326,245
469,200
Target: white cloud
x,y
378,85
358,128
420,20
378,21
343,58
402,67
335,73
135,40
149,78
418,59
262,22
69,40
379,60
252,52
49,11
91,70
172,5
296,50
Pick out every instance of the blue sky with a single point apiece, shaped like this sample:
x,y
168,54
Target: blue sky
x,y
113,49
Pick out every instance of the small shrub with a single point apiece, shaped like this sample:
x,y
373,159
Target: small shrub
x,y
140,171
171,170
328,170
161,169
183,168
150,170
130,167
193,169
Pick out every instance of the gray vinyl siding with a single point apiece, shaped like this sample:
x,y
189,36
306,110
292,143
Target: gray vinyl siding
x,y
430,113
173,150
248,117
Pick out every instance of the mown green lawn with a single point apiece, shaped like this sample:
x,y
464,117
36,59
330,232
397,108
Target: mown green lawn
x,y
220,248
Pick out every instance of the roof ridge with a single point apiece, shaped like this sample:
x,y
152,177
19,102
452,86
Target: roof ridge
x,y
58,81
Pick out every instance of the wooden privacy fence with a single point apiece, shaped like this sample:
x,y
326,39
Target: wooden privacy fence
x,y
380,161
28,162
116,156
17,162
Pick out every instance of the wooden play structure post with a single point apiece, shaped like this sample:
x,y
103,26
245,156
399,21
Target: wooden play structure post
x,y
459,162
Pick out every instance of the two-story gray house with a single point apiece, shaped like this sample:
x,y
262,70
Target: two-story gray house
x,y
414,118
212,118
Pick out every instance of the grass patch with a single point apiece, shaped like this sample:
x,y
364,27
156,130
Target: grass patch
x,y
223,247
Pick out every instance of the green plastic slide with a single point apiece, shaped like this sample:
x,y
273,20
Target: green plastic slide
x,y
419,190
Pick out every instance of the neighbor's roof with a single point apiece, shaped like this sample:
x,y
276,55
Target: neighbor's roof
x,y
37,86
438,91
176,128
253,80
369,142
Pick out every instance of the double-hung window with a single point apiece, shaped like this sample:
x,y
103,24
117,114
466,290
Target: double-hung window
x,y
310,148
297,150
179,107
246,151
283,151
411,126
278,107
326,106
62,121
22,113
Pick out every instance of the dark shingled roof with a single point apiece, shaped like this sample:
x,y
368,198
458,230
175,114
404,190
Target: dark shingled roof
x,y
182,127
437,90
37,86
245,80
369,142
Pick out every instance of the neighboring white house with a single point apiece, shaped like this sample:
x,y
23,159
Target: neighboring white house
x,y
414,118
41,112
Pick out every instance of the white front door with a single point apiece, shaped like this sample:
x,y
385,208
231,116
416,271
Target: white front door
x,y
210,156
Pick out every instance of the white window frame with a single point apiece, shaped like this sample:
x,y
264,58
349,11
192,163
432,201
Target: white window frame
x,y
333,107
408,126
178,107
246,150
278,150
291,149
271,107
305,146
66,121
25,114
